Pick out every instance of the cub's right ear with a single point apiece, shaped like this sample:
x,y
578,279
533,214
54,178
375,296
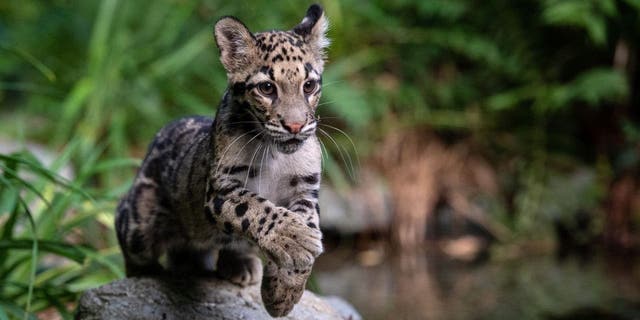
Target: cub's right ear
x,y
236,44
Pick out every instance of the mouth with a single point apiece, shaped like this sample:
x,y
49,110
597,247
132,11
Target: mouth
x,y
289,146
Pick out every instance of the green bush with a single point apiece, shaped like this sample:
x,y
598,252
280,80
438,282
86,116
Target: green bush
x,y
56,236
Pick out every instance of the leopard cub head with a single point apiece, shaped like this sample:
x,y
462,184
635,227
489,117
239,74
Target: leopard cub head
x,y
276,76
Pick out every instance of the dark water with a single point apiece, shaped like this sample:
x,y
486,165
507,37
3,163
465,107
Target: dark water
x,y
433,286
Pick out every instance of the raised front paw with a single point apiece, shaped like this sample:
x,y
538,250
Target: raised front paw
x,y
282,288
287,239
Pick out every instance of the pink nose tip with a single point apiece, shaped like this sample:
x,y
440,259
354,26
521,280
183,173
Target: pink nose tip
x,y
293,127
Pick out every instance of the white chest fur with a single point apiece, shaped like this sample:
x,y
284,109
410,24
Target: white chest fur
x,y
275,170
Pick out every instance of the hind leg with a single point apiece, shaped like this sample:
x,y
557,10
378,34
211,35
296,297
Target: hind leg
x,y
137,219
240,267
187,261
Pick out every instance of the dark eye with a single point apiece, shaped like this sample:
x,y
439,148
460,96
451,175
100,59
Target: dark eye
x,y
267,88
309,86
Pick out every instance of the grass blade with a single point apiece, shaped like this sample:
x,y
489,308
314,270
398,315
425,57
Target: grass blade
x,y
98,45
71,252
34,258
100,258
14,175
46,71
41,171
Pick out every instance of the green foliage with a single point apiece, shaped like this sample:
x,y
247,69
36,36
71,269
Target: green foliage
x,y
590,15
48,243
594,87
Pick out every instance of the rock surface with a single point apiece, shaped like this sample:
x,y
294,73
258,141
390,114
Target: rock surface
x,y
211,299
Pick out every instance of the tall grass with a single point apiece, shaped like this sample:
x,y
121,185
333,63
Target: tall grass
x,y
56,236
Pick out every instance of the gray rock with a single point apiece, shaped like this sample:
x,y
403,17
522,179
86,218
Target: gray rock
x,y
346,310
211,299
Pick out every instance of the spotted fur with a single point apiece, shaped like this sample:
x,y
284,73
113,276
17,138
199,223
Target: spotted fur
x,y
212,194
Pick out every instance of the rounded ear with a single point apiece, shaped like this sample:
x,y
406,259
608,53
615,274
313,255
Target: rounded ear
x,y
313,28
236,44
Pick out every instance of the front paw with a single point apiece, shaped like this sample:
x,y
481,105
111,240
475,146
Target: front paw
x,y
282,288
288,240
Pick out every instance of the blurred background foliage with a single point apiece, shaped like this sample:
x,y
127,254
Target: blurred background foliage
x,y
544,91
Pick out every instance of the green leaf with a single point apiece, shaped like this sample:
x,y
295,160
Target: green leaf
x,y
512,98
72,106
597,86
586,14
41,171
98,45
99,257
13,309
41,67
14,176
34,257
72,252
7,228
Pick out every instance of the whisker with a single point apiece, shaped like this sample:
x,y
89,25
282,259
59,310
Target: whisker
x,y
332,83
324,103
325,117
246,179
353,170
353,145
325,153
224,153
243,122
264,152
349,164
245,145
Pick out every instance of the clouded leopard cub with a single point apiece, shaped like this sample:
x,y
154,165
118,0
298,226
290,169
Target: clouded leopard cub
x,y
212,194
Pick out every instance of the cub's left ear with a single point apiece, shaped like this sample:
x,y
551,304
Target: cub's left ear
x,y
313,28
